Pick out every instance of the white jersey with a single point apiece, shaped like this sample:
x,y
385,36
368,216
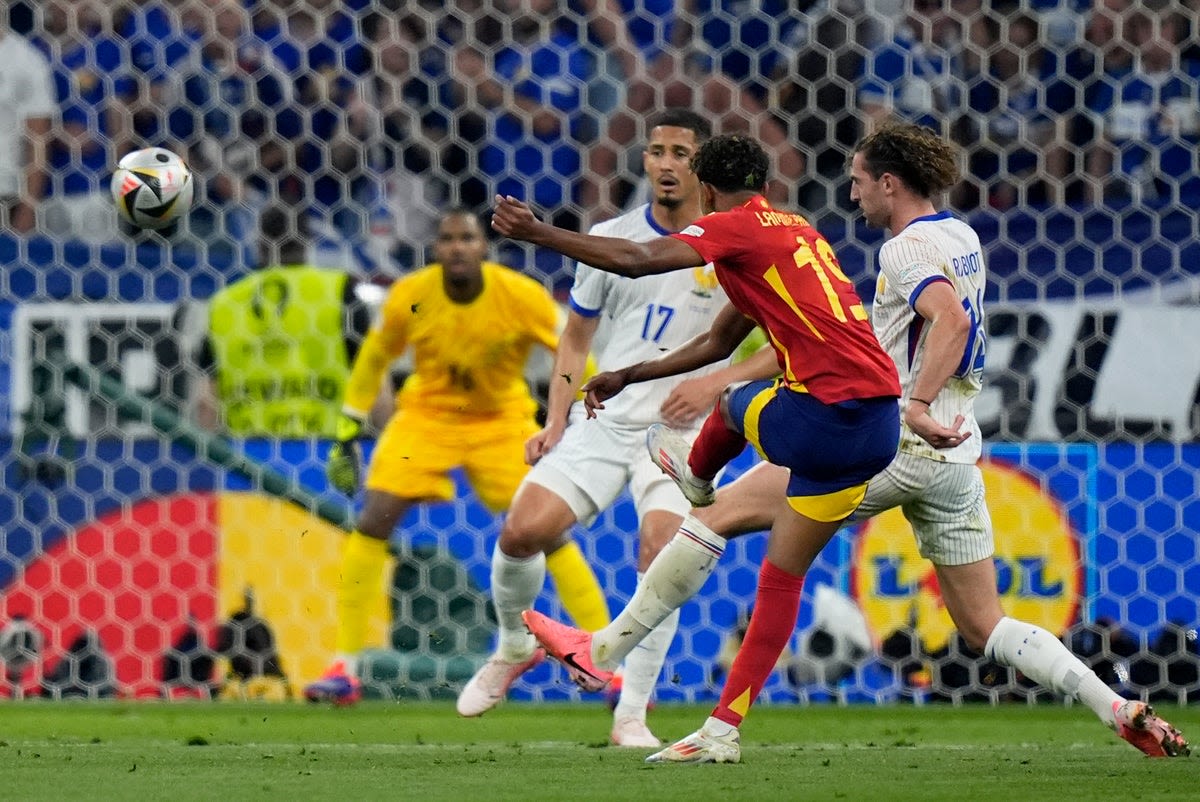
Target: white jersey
x,y
26,91
642,318
933,248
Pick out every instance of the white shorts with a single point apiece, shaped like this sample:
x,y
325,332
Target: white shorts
x,y
943,501
595,461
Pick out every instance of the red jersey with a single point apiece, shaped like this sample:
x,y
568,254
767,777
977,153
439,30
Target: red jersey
x,y
778,270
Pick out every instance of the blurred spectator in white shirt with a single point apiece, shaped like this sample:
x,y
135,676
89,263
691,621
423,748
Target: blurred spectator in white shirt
x,y
26,109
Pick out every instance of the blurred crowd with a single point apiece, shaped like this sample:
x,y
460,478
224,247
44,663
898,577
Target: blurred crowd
x,y
372,115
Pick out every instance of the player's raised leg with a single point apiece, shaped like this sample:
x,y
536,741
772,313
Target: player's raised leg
x,y
748,504
669,451
815,442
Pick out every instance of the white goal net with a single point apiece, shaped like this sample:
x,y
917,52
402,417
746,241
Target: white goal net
x,y
137,558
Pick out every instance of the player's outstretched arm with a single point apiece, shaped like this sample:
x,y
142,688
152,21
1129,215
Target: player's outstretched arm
x,y
695,397
514,219
728,330
344,463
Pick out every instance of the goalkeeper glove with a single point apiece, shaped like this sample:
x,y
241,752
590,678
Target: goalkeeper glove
x,y
344,465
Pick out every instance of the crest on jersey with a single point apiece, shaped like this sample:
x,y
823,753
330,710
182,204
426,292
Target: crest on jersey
x,y
910,272
705,279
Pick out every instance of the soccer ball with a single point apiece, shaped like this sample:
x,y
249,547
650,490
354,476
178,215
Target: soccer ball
x,y
152,188
20,646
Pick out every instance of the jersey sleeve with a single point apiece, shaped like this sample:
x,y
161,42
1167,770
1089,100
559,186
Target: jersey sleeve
x,y
716,237
394,318
385,341
589,292
909,265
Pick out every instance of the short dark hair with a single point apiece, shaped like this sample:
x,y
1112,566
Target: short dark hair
x,y
682,118
925,162
732,163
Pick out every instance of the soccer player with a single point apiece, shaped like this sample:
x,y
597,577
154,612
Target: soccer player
x,y
582,466
931,282
471,324
832,419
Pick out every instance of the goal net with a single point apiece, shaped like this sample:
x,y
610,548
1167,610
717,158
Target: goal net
x,y
144,555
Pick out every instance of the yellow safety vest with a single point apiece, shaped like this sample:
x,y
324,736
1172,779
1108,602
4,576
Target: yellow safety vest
x,y
278,343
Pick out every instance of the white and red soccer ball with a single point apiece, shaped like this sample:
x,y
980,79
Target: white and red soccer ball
x,y
152,188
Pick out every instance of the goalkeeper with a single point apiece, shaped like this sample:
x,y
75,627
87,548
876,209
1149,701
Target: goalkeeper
x,y
471,324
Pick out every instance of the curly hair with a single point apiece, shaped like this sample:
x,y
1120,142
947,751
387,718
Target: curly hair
x,y
924,161
732,164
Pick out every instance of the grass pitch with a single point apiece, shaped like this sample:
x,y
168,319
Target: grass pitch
x,y
229,751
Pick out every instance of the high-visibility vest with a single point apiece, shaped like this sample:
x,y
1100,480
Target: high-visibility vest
x,y
278,341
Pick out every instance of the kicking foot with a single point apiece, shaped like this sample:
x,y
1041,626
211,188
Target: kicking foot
x,y
335,685
491,682
570,646
1138,724
632,731
669,452
702,747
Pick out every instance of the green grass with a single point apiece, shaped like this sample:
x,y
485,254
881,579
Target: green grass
x,y
227,751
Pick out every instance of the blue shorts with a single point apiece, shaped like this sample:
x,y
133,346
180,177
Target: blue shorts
x,y
832,450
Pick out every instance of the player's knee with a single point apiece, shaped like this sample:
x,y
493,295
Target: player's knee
x,y
647,551
723,402
723,399
720,516
372,527
380,514
657,529
521,537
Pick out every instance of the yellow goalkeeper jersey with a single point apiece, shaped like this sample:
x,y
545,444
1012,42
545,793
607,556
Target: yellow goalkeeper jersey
x,y
467,358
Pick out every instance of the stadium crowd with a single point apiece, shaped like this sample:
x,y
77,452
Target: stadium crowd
x,y
375,114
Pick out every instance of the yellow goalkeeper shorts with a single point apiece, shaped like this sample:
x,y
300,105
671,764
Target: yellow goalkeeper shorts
x,y
418,448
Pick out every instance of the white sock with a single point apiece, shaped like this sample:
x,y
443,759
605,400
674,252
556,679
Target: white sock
x,y
676,575
714,726
639,676
1040,656
515,585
